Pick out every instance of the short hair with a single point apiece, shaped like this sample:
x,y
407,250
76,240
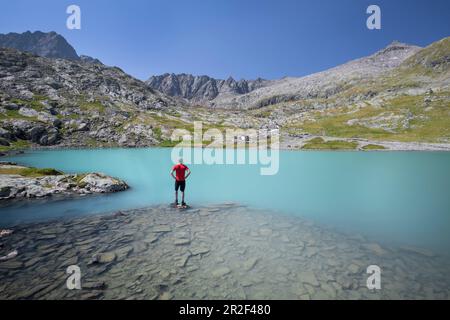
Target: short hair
x,y
180,160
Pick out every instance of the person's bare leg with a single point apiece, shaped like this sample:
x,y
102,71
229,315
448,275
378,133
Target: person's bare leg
x,y
176,196
182,197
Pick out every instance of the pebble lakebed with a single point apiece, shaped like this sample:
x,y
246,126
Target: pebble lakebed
x,y
224,251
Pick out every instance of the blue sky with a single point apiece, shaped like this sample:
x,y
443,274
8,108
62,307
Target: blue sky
x,y
239,38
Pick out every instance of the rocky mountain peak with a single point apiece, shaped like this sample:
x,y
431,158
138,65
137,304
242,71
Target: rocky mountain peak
x,y
50,44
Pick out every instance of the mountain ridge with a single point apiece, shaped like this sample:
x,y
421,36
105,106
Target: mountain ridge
x,y
202,88
399,93
248,94
322,84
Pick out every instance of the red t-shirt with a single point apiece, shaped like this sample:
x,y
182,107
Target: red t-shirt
x,y
180,170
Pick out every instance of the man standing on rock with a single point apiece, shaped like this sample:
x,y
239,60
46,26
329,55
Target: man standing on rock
x,y
182,173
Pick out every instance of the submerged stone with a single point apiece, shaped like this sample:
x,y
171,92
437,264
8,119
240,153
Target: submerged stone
x,y
220,272
106,257
308,277
199,250
162,229
250,264
182,241
220,256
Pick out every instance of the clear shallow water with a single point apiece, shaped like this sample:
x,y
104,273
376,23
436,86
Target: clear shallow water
x,y
398,197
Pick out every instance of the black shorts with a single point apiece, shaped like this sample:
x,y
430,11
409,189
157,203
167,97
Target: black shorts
x,y
180,185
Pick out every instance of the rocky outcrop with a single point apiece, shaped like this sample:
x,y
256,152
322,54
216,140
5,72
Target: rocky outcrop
x,y
202,89
17,183
50,45
100,183
88,59
23,76
48,102
38,133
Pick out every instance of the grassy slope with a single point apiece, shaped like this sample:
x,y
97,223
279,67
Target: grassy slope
x,y
430,119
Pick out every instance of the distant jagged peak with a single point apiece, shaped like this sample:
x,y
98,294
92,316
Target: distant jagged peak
x,y
199,88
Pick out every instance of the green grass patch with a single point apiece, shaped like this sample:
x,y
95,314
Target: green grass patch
x,y
35,103
157,132
168,143
16,145
31,172
14,114
320,144
90,106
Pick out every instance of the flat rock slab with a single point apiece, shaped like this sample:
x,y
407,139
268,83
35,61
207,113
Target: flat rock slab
x,y
182,241
308,277
199,250
250,264
220,272
162,229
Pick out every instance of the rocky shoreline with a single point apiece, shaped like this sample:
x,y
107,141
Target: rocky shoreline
x,y
223,251
289,143
296,143
19,182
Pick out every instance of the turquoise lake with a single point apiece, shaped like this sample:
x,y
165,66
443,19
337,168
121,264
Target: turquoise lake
x,y
395,197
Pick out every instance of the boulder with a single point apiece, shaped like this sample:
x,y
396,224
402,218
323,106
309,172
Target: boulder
x,y
11,106
28,112
6,134
36,133
5,192
100,183
45,117
19,128
49,139
53,139
83,126
43,141
57,123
